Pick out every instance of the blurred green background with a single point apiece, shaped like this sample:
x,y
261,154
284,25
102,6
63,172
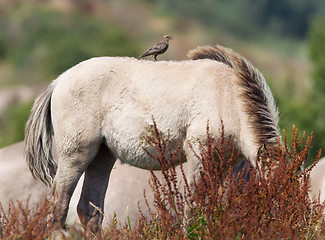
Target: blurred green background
x,y
39,39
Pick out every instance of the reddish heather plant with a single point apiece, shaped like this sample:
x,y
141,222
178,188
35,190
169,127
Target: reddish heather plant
x,y
170,202
221,206
267,206
20,222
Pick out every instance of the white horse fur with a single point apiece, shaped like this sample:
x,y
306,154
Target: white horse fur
x,y
102,108
317,180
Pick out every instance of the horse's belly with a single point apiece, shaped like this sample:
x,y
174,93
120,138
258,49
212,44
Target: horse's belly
x,y
134,142
139,153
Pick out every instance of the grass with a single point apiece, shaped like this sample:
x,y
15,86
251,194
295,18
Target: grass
x,y
13,123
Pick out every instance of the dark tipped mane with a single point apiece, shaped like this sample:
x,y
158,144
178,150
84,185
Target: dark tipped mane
x,y
257,97
220,54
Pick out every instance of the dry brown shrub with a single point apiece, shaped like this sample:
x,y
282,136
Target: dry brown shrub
x,y
221,206
21,222
266,206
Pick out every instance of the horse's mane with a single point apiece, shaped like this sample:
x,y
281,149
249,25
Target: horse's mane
x,y
256,95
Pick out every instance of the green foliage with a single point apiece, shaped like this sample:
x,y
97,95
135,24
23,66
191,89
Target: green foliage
x,y
300,113
313,111
13,124
54,41
317,55
289,18
308,111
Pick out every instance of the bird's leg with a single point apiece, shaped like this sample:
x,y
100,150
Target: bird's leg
x,y
155,57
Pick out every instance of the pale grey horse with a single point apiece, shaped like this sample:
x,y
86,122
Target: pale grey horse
x,y
103,109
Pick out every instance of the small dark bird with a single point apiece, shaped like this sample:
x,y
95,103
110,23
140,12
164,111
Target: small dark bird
x,y
158,48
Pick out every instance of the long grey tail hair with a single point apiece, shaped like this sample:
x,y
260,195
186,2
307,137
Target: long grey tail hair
x,y
38,139
256,95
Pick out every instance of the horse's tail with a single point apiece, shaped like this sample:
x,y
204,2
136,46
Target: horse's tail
x,y
38,138
254,92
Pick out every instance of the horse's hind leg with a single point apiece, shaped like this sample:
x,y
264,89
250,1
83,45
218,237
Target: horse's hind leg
x,y
91,203
71,165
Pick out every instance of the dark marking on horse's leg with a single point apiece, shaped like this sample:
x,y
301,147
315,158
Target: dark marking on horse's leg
x,y
91,204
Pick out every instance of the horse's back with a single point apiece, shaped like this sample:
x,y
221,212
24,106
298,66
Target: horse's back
x,y
108,80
